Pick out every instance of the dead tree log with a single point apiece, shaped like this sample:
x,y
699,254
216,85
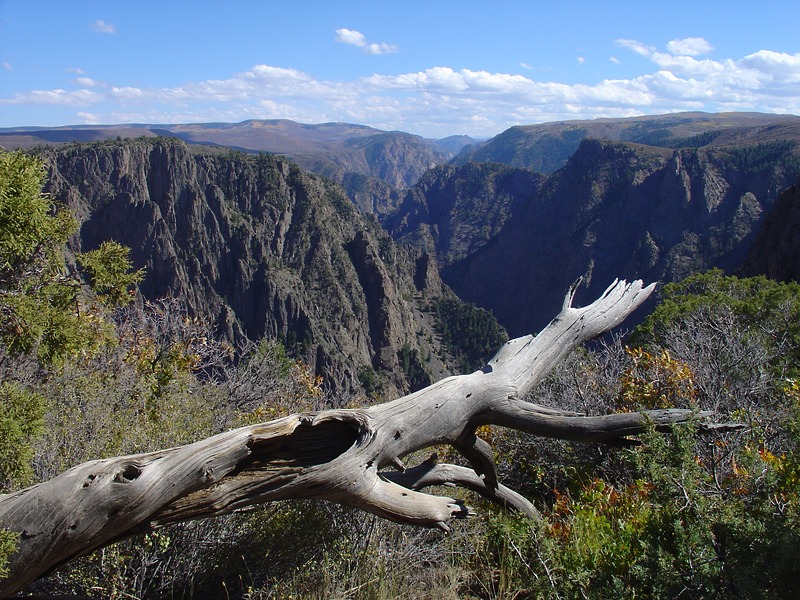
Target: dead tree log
x,y
335,455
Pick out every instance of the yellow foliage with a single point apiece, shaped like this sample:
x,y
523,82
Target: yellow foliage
x,y
655,380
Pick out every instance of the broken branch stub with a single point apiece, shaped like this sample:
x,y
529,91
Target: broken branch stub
x,y
335,455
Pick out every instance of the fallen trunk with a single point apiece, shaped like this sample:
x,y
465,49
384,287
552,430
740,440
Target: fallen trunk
x,y
335,455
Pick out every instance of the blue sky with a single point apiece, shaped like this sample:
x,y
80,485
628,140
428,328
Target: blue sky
x,y
434,68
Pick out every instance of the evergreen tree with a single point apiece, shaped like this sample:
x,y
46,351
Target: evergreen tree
x,y
46,309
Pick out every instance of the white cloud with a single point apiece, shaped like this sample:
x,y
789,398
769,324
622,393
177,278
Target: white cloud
x,y
358,39
691,46
774,66
688,65
86,82
89,118
101,26
7,66
352,37
581,60
614,60
382,48
637,47
525,66
441,100
755,77
55,97
445,79
129,93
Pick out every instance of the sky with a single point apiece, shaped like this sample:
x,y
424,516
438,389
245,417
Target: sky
x,y
432,68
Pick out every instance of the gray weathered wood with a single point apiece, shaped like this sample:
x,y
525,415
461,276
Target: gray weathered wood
x,y
335,455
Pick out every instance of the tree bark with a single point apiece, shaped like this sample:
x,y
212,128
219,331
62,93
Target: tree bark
x,y
335,455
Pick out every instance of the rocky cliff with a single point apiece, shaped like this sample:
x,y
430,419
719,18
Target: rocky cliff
x,y
776,251
455,211
344,152
616,209
260,247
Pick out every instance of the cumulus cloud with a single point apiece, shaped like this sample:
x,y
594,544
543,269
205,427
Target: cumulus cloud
x,y
358,39
691,46
748,77
442,100
352,37
101,26
774,66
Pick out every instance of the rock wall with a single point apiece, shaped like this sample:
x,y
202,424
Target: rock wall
x,y
256,245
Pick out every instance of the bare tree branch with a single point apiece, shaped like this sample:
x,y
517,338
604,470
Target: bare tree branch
x,y
335,455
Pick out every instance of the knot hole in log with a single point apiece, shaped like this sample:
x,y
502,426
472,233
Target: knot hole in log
x,y
126,475
311,443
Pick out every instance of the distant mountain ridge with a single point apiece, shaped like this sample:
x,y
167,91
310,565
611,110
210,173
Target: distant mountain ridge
x,y
547,147
329,149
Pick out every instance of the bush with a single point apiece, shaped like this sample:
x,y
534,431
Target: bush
x,y
690,514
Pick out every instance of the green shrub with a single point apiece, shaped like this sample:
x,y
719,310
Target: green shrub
x,y
21,419
8,543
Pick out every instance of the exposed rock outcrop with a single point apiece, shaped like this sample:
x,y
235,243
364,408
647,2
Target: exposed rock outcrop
x,y
455,211
776,252
256,245
616,209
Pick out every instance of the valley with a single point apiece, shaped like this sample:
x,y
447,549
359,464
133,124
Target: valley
x,y
262,247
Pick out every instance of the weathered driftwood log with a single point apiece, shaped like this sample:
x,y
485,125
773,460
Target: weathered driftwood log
x,y
335,455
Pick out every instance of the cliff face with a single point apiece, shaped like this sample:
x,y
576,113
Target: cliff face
x,y
455,211
369,163
373,169
265,249
615,210
776,251
258,246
